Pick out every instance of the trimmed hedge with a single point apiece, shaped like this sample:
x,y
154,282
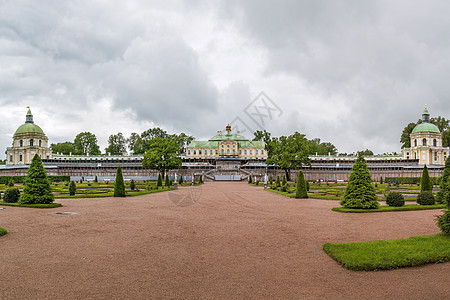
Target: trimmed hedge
x,y
411,180
395,199
4,179
425,198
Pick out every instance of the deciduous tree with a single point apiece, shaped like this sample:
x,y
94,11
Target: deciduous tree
x,y
85,143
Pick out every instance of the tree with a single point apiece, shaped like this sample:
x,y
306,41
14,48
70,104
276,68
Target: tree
x,y
119,185
288,152
159,182
201,179
135,143
284,181
316,146
262,136
404,138
116,144
162,155
63,148
95,178
359,192
425,182
249,179
180,181
444,191
366,152
36,187
72,188
381,180
132,185
85,143
277,182
167,181
300,189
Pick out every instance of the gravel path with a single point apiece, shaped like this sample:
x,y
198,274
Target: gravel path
x,y
222,240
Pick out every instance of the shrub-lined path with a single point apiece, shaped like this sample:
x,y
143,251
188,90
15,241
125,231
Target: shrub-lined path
x,y
235,241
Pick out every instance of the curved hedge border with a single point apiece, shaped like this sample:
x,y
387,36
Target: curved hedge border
x,y
407,207
3,231
38,205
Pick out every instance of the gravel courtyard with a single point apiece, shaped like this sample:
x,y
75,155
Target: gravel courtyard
x,y
222,240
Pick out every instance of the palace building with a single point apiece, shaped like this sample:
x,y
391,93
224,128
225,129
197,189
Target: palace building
x,y
426,143
227,146
28,140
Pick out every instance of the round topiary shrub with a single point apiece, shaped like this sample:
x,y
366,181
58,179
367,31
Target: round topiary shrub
x,y
283,188
11,195
443,222
425,198
395,199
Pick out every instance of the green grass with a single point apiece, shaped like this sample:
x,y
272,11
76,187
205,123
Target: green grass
x,y
394,254
111,194
389,208
51,205
3,231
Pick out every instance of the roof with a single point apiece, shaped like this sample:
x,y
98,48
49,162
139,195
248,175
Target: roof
x,y
222,137
426,127
29,128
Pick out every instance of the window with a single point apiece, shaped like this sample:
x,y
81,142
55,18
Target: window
x,y
20,157
210,151
435,156
10,158
31,142
217,151
250,151
424,142
245,151
21,143
195,152
415,143
189,152
40,143
199,152
228,146
223,151
234,146
240,151
262,152
434,143
256,151
48,157
222,146
228,151
234,151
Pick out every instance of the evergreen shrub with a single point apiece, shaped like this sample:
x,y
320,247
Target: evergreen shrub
x,y
395,199
283,188
36,188
284,180
119,185
132,185
425,183
72,188
277,182
249,179
11,195
425,198
159,180
301,189
443,222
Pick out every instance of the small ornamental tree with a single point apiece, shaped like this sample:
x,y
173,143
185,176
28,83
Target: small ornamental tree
x,y
95,179
119,185
444,190
11,195
270,180
72,188
249,179
201,179
180,181
36,188
381,180
443,221
277,182
167,181
300,190
425,182
132,185
360,192
284,182
159,183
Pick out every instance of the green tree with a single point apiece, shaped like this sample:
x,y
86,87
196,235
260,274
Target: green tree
x,y
63,148
132,185
117,144
85,143
72,188
442,123
288,152
300,189
359,192
381,180
425,182
277,182
95,179
36,188
119,185
366,152
262,136
159,182
162,155
444,190
315,146
167,181
135,143
201,179
249,179
284,180
404,138
180,181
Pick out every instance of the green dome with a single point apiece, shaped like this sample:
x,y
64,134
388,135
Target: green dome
x,y
426,127
29,128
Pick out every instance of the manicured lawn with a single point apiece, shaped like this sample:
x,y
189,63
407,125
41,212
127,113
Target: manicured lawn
x,y
51,205
394,254
111,194
389,208
3,231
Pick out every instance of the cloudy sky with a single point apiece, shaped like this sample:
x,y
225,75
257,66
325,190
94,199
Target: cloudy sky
x,y
353,73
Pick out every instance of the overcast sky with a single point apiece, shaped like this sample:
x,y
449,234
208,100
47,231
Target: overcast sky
x,y
352,73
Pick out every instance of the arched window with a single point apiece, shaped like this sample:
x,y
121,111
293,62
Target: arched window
x,y
40,143
434,143
21,143
435,156
415,155
415,143
228,151
31,142
424,142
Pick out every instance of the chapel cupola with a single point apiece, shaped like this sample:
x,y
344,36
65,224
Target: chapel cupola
x,y
425,116
29,117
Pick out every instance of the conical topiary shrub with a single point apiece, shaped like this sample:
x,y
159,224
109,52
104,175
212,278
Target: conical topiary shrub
x,y
284,182
167,181
36,188
119,186
359,192
425,182
444,189
277,182
249,179
72,188
132,185
159,183
300,190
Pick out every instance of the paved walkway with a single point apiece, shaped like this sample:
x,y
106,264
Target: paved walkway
x,y
223,240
